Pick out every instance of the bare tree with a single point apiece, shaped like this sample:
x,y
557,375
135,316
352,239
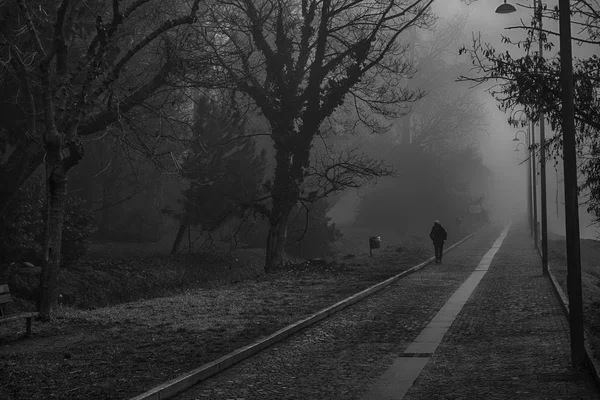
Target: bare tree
x,y
451,117
299,61
75,72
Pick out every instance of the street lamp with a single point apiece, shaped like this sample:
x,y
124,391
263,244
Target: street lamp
x,y
505,9
529,187
531,143
570,183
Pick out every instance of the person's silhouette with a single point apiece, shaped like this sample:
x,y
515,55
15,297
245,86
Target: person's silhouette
x,y
438,234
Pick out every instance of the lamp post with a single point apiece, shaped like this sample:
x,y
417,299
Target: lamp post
x,y
570,185
544,208
529,188
534,188
505,9
533,174
570,179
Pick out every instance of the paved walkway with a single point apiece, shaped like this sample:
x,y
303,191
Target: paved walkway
x,y
510,339
485,324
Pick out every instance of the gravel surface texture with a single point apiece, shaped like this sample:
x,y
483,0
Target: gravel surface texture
x,y
511,339
342,356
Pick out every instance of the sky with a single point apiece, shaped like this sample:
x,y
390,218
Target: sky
x,y
497,148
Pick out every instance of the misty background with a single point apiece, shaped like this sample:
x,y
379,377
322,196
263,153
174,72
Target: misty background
x,y
506,192
451,120
453,149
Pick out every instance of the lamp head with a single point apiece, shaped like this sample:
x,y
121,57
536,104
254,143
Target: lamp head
x,y
516,139
505,8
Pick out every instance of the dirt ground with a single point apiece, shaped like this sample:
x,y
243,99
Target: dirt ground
x,y
121,350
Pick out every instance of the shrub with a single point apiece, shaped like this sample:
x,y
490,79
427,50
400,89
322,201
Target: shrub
x,y
307,239
77,228
22,226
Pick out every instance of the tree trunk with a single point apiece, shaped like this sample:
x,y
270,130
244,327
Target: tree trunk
x,y
276,242
183,226
56,192
292,151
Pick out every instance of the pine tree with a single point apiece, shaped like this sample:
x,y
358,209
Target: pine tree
x,y
223,167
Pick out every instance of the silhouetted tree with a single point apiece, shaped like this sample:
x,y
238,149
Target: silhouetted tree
x,y
449,117
311,231
69,71
299,62
222,167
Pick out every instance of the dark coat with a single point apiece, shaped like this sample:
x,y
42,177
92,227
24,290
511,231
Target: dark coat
x,y
438,234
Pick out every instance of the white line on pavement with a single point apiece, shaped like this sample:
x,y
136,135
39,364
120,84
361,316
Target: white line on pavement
x,y
400,376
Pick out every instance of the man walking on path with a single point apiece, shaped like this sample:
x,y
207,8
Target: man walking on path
x,y
438,235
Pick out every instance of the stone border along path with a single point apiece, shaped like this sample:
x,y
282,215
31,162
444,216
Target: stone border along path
x,y
399,377
177,385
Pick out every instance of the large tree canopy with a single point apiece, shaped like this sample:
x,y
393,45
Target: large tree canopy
x,y
80,67
299,61
221,166
71,69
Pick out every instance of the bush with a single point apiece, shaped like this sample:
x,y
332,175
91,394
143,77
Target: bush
x,y
136,225
77,228
22,226
312,239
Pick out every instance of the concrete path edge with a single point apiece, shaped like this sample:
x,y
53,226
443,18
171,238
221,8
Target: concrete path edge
x,y
183,382
592,363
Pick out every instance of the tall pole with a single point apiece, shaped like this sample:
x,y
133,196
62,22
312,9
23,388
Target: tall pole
x,y
544,215
534,175
529,194
528,160
570,186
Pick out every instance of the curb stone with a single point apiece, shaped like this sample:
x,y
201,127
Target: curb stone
x,y
183,382
591,362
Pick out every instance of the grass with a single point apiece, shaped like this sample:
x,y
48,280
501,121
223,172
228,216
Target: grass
x,y
590,282
212,307
133,321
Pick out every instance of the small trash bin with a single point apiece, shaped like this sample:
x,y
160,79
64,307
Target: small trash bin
x,y
375,242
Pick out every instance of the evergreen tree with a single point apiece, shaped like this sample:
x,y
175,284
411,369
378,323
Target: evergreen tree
x,y
223,168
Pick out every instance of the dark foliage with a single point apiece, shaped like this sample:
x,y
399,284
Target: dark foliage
x,y
310,232
222,165
22,227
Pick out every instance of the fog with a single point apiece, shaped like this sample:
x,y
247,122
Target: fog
x,y
506,192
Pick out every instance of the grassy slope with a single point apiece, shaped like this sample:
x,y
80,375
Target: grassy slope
x,y
122,350
590,281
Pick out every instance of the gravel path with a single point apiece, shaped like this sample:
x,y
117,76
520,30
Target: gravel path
x,y
342,356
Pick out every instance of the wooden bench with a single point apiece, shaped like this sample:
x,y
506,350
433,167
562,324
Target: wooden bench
x,y
5,298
